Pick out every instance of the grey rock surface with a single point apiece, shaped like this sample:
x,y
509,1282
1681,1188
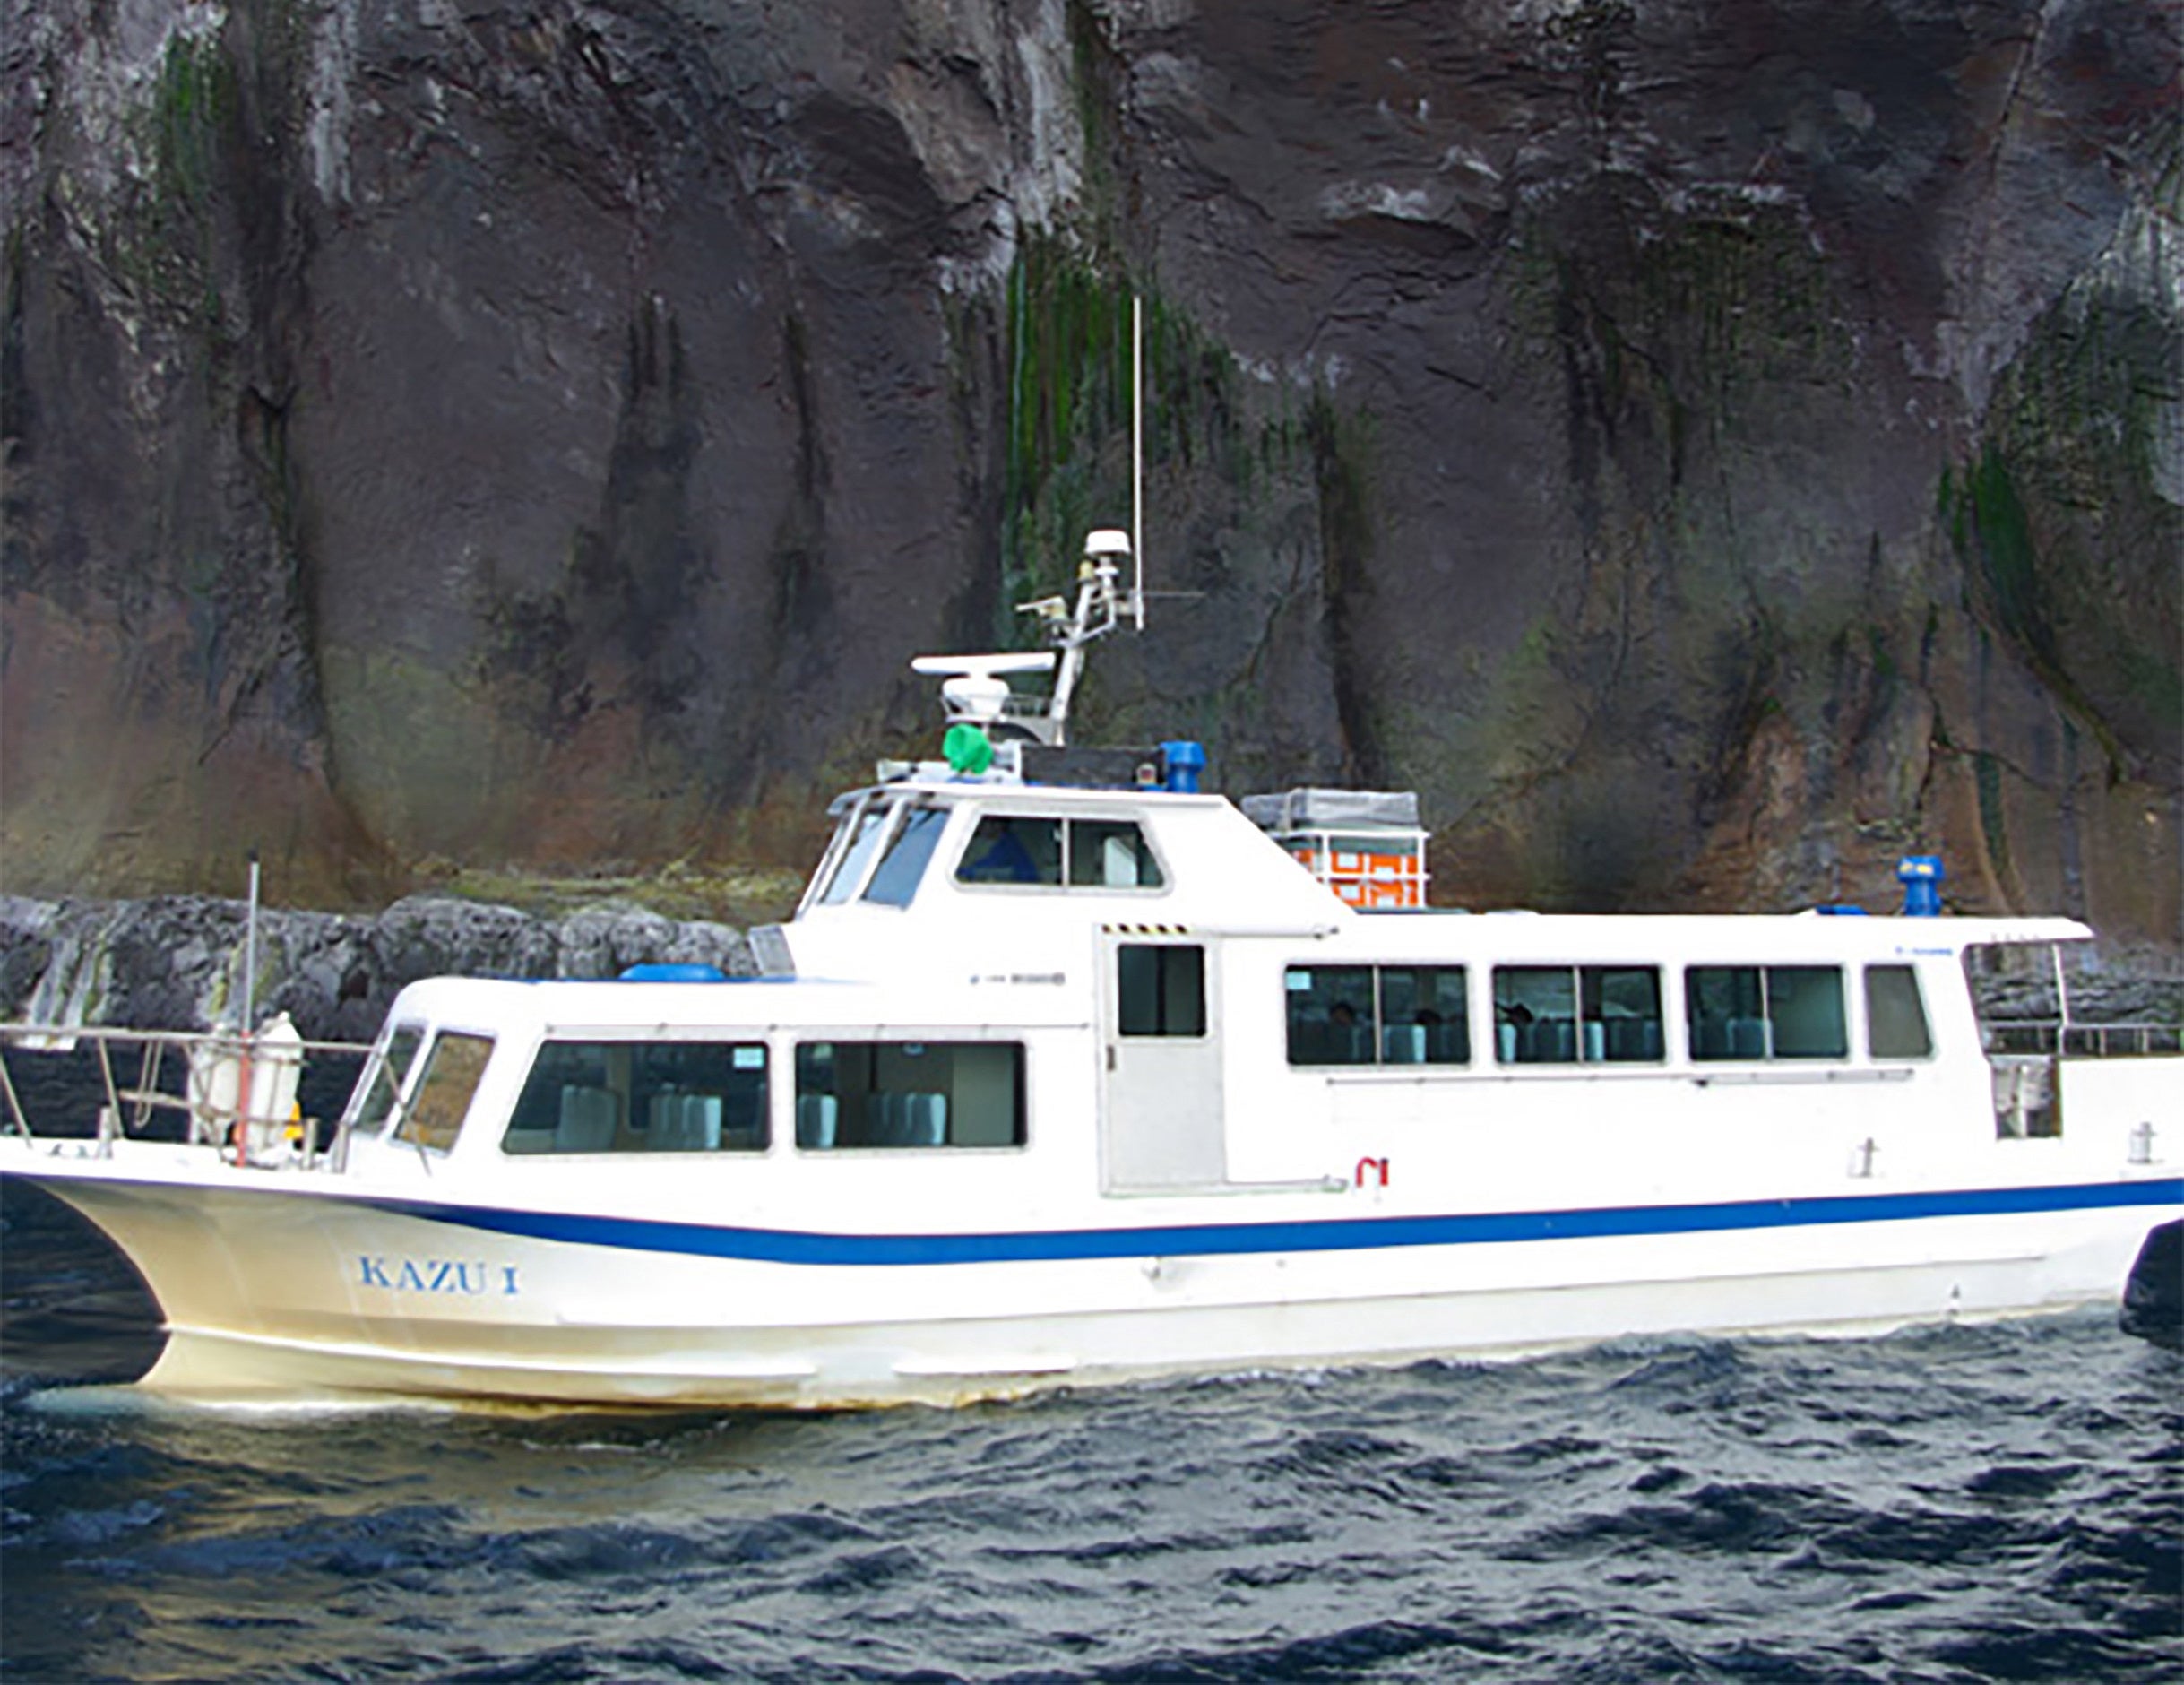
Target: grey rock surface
x,y
1706,447
177,962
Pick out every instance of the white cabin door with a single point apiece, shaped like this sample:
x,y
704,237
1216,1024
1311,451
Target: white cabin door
x,y
1161,1111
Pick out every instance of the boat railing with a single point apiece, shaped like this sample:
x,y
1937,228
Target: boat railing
x,y
1023,705
2047,1037
236,1090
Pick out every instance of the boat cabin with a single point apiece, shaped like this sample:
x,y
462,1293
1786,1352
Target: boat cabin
x,y
1119,991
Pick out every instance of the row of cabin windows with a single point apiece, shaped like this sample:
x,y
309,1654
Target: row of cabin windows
x,y
610,1096
890,844
1543,1015
604,1097
1588,1015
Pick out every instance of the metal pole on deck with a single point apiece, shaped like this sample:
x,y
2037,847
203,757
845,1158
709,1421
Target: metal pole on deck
x,y
250,1001
250,947
2062,1001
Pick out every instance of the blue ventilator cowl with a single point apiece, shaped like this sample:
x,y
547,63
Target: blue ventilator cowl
x,y
1921,876
1183,761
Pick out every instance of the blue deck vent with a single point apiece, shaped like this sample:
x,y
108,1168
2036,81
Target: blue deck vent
x,y
1183,761
683,972
1921,876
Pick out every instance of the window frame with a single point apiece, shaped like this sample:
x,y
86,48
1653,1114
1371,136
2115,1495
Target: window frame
x,y
907,814
1162,1006
1375,1024
629,1125
376,1079
1064,881
841,870
1585,991
412,1128
1918,1000
804,1128
1768,1053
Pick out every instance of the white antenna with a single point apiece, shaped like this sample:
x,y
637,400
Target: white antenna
x,y
976,690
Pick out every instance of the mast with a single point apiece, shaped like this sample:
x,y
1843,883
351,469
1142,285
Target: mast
x,y
975,690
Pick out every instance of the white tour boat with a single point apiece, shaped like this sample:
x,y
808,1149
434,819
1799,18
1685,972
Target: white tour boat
x,y
1065,1072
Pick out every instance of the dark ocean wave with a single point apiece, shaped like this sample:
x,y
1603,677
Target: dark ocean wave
x,y
2003,1501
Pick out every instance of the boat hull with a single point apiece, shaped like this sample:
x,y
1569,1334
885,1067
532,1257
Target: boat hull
x,y
286,1287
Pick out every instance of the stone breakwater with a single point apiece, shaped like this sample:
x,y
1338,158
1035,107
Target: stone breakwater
x,y
177,961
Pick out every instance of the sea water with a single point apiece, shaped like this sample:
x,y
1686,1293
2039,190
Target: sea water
x,y
1958,1503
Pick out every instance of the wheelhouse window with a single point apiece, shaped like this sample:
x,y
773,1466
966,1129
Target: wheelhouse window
x,y
1896,1015
1576,1014
902,861
383,1085
1037,851
1160,988
442,1097
1377,1014
1109,854
606,1096
1766,1012
908,1094
855,845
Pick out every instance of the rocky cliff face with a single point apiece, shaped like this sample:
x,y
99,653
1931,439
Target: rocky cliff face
x,y
183,962
1706,447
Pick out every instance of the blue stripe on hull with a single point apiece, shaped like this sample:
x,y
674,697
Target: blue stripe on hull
x,y
1330,1234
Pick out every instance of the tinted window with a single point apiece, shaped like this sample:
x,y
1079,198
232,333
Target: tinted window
x,y
867,830
1762,1012
1377,1014
1896,1015
384,1084
1111,854
1330,1014
894,880
641,1097
1805,1011
1535,1014
1570,1015
1621,1012
442,1098
1425,1015
1725,1012
1013,849
1161,990
908,1094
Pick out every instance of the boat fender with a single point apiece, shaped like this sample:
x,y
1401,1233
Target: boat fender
x,y
1372,1165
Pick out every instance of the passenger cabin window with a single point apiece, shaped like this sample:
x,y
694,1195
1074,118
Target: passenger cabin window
x,y
1896,1015
1377,1014
1766,1012
597,1096
442,1097
1160,988
383,1086
1036,850
1576,1014
908,1094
